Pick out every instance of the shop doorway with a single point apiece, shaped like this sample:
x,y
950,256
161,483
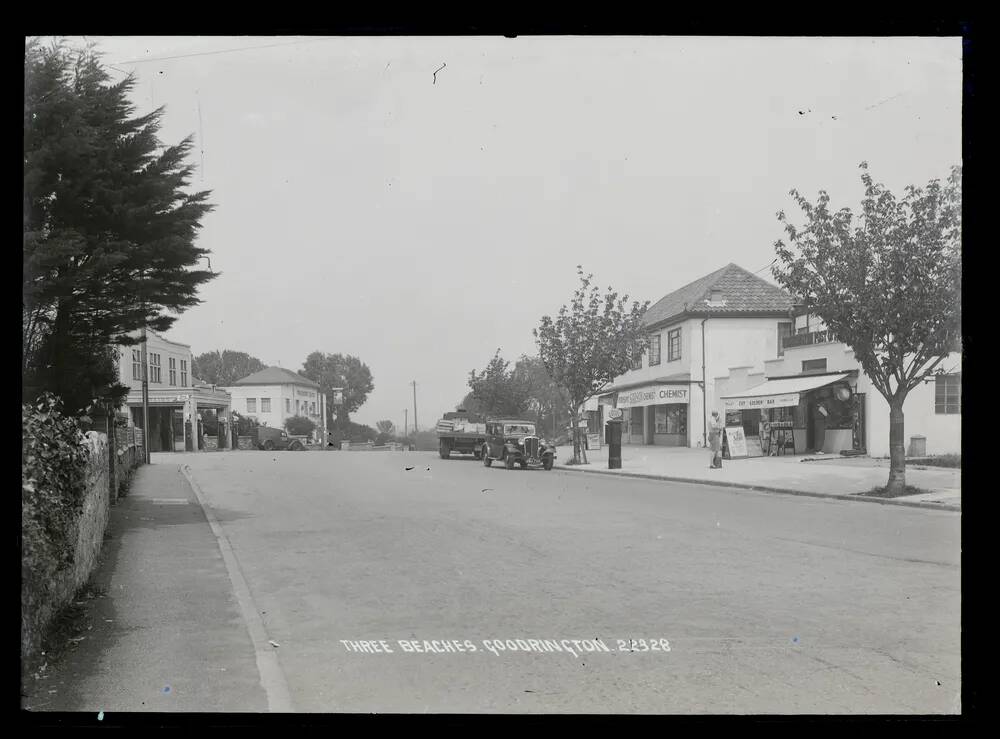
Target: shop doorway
x,y
177,424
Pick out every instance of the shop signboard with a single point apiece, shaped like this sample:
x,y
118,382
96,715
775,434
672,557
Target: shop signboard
x,y
786,400
736,441
615,413
593,441
652,395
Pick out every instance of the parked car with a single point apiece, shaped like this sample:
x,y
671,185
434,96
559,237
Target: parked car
x,y
515,442
270,439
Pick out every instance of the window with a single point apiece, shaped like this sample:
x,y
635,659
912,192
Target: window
x,y
654,350
636,358
184,372
136,364
670,419
288,405
154,368
673,345
265,405
784,329
948,394
251,405
173,371
814,365
312,407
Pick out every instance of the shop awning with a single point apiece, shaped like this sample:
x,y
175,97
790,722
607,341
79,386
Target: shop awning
x,y
781,393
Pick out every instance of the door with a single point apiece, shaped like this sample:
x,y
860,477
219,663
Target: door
x,y
650,423
177,424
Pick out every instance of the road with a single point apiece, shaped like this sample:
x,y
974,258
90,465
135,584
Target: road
x,y
768,603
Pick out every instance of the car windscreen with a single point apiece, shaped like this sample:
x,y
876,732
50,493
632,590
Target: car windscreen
x,y
518,428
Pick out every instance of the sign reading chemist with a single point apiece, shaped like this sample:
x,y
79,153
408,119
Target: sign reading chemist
x,y
652,395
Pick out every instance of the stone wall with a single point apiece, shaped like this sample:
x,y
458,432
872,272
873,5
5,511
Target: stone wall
x,y
87,532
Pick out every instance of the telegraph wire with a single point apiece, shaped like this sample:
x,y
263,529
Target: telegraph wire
x,y
227,51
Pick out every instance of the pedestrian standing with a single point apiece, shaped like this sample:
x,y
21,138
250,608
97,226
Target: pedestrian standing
x,y
715,440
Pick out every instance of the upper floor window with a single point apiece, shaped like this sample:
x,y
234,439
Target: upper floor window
x,y
814,365
184,372
673,345
265,405
948,394
784,329
251,405
654,350
136,364
154,368
288,405
636,358
173,371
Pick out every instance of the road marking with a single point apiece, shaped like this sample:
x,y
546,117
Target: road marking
x,y
272,678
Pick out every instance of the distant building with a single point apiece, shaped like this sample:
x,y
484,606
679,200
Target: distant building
x,y
728,318
275,394
175,395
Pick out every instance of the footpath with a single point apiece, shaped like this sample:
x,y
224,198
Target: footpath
x,y
165,632
830,476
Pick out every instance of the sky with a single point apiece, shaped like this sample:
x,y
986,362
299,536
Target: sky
x,y
421,202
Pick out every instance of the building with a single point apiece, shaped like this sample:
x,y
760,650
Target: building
x,y
817,397
275,394
728,318
175,397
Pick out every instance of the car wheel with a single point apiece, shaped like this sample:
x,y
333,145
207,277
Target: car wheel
x,y
547,463
296,446
509,462
524,464
486,458
477,454
268,446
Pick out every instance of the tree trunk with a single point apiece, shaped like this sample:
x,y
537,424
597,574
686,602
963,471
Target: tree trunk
x,y
897,450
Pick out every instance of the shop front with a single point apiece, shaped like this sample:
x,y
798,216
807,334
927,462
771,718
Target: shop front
x,y
176,418
655,414
803,414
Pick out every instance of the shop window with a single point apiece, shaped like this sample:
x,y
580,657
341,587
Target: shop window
x,y
673,345
677,419
814,365
948,394
251,405
784,330
265,405
654,350
660,413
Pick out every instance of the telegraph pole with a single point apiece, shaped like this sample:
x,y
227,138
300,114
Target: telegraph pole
x,y
406,418
145,395
414,383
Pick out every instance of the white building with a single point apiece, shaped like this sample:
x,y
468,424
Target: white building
x,y
727,318
275,394
803,392
175,396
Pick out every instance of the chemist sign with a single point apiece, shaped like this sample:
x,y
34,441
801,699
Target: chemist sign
x,y
653,395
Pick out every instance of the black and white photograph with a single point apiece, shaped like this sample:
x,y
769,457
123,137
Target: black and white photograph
x,y
492,374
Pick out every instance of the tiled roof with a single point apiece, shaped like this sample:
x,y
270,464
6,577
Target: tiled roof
x,y
741,292
276,376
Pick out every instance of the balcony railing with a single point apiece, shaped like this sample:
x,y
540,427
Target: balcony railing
x,y
813,337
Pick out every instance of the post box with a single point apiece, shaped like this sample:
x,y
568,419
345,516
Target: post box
x,y
613,433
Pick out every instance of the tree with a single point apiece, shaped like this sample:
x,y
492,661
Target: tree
x,y
546,400
499,391
589,344
470,404
299,425
386,428
225,367
887,284
339,371
109,227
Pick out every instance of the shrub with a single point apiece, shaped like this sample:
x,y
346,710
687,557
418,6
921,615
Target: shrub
x,y
53,486
299,426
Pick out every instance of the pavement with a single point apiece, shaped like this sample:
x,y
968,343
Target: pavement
x,y
832,476
248,588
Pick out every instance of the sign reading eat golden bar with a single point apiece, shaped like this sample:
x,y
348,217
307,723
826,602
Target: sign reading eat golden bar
x,y
785,400
652,395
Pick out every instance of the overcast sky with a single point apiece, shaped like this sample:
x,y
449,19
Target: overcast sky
x,y
366,207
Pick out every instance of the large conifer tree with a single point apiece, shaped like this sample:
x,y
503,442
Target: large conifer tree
x,y
109,225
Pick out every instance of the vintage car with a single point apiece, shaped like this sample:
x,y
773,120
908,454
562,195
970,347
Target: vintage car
x,y
515,442
270,438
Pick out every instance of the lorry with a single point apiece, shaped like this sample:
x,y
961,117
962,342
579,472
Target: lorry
x,y
461,432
